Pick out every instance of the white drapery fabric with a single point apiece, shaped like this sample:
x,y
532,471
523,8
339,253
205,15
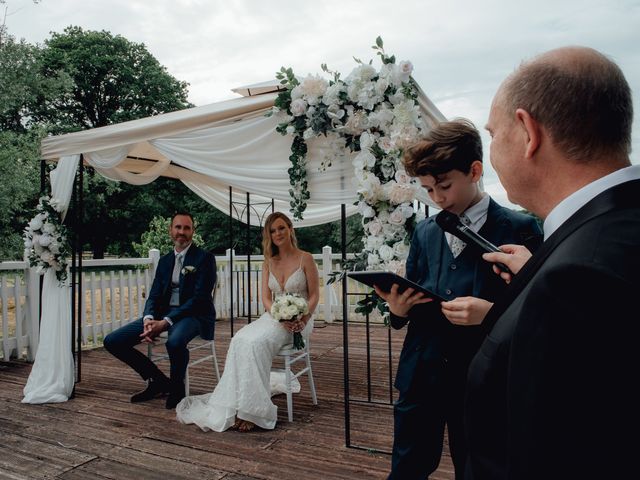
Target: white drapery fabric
x,y
51,379
218,146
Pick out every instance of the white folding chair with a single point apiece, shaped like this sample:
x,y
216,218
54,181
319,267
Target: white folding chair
x,y
291,356
193,346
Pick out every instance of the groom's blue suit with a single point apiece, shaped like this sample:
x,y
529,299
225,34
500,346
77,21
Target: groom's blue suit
x,y
194,315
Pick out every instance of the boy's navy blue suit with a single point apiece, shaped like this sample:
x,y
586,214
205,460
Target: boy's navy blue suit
x,y
194,316
436,354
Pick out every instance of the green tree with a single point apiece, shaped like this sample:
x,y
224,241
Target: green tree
x,y
113,80
21,85
157,236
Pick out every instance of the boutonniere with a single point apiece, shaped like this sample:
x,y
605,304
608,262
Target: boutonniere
x,y
188,269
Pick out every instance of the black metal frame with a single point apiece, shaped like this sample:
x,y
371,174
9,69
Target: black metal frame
x,y
345,346
247,207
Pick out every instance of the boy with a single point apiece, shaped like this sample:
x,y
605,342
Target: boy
x,y
441,340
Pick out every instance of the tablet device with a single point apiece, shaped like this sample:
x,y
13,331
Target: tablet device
x,y
385,280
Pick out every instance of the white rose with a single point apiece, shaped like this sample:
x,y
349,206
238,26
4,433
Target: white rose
x,y
367,141
298,107
366,210
402,72
54,247
48,228
383,216
35,223
373,259
386,253
396,267
46,256
401,250
373,243
332,94
402,176
45,240
291,129
28,243
361,73
400,192
334,112
374,227
386,144
314,86
407,210
367,158
396,217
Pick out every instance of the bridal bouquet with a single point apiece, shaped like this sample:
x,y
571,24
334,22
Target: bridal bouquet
x,y
286,308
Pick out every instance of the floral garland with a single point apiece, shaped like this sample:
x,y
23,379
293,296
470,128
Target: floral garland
x,y
46,239
376,114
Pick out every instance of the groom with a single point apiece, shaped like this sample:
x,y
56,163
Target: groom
x,y
180,302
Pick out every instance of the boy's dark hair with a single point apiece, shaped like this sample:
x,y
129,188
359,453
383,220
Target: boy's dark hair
x,y
185,214
453,145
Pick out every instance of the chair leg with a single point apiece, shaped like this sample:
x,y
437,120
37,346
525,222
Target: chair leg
x,y
215,360
186,382
312,384
287,374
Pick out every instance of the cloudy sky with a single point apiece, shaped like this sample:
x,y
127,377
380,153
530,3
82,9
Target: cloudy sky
x,y
461,50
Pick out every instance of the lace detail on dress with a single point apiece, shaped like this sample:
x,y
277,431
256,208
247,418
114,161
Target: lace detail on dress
x,y
245,388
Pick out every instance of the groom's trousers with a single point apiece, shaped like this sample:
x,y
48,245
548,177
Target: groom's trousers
x,y
121,342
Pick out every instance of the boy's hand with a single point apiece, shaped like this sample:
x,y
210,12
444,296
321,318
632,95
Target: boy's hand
x,y
401,303
466,310
513,256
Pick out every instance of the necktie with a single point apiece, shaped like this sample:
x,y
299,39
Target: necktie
x,y
177,266
456,244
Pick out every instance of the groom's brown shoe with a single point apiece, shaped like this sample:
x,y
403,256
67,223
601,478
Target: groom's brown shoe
x,y
155,388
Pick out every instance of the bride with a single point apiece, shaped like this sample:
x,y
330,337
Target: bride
x,y
242,398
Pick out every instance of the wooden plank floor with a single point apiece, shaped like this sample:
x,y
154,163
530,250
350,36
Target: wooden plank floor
x,y
99,434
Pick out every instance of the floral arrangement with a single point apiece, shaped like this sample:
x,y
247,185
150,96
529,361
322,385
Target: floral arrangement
x,y
188,269
286,308
375,115
46,238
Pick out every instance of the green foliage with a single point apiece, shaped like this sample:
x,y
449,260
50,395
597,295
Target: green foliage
x,y
157,236
114,80
19,169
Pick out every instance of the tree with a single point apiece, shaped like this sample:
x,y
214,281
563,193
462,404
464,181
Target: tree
x,y
113,80
157,236
21,85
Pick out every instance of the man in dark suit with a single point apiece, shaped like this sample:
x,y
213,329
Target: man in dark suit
x,y
180,301
552,392
442,339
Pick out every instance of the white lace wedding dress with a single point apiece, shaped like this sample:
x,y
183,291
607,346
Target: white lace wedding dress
x,y
245,389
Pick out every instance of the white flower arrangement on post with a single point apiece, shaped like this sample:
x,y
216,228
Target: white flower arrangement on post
x,y
376,114
46,239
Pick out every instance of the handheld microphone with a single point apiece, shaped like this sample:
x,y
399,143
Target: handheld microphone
x,y
449,222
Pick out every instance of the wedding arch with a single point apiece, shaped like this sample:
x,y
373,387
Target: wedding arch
x,y
222,152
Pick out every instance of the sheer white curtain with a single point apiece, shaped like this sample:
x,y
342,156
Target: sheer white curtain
x,y
52,376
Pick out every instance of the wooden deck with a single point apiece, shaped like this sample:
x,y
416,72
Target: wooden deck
x,y
99,434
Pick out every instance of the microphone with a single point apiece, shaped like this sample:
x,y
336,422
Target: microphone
x,y
449,222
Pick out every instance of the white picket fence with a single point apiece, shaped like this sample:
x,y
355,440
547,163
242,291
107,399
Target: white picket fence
x,y
115,292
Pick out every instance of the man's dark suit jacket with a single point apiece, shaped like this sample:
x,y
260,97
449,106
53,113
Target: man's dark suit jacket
x,y
430,336
552,392
196,289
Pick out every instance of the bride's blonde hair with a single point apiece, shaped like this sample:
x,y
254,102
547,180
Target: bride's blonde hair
x,y
270,250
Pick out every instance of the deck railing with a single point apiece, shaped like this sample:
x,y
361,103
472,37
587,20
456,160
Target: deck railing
x,y
115,290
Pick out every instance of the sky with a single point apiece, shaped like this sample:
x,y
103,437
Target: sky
x,y
461,50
